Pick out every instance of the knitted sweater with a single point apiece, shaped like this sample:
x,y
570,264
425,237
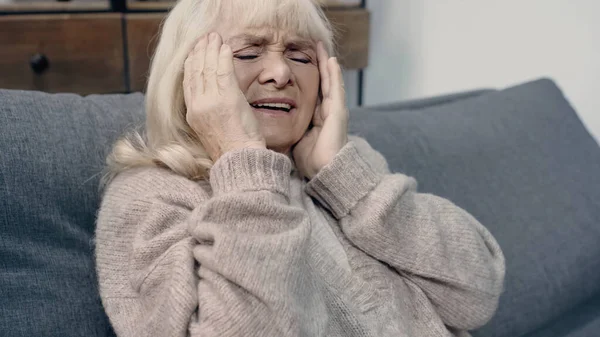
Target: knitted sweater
x,y
256,251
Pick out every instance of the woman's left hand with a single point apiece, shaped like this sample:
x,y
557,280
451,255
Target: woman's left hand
x,y
329,133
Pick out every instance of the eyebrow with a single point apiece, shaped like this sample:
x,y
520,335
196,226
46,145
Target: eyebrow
x,y
247,39
297,43
300,44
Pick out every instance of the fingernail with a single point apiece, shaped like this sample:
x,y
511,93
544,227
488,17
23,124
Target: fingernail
x,y
212,36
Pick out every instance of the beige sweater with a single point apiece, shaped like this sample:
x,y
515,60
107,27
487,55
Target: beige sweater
x,y
256,251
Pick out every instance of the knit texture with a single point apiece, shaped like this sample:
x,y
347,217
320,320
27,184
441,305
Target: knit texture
x,y
256,251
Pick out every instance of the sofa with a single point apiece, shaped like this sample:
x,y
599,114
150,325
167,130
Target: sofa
x,y
518,159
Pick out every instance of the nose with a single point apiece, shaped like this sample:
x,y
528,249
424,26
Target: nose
x,y
276,71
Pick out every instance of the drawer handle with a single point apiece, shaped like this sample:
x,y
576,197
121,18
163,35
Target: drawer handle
x,y
39,63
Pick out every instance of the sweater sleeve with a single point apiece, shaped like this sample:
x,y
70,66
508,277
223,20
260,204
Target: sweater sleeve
x,y
173,260
428,240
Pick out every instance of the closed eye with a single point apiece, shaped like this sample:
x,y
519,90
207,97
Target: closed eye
x,y
305,61
299,56
246,57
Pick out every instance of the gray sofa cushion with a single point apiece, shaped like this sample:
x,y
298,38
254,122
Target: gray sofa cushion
x,y
518,159
522,163
583,321
53,151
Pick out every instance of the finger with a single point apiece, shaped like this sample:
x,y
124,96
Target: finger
x,y
318,119
225,73
337,91
211,62
322,58
188,86
201,43
192,72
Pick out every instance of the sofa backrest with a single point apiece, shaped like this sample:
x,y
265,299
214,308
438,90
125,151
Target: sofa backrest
x,y
53,149
518,159
523,164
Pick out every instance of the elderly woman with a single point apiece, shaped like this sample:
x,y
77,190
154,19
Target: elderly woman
x,y
246,210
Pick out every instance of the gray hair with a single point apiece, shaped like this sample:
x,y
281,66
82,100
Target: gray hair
x,y
168,140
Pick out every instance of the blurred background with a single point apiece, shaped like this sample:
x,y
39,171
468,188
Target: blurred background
x,y
392,49
428,47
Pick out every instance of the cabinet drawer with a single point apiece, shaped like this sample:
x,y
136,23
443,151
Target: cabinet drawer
x,y
352,26
80,53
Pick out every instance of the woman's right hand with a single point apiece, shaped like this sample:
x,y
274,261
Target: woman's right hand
x,y
217,109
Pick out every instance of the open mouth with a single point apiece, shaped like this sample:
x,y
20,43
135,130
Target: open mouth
x,y
273,106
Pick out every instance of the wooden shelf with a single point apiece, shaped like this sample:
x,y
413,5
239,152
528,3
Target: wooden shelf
x,y
99,6
150,5
85,46
55,6
83,53
339,3
167,5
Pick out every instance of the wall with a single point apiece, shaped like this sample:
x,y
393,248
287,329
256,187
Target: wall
x,y
429,47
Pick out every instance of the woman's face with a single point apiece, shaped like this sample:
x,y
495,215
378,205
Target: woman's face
x,y
278,73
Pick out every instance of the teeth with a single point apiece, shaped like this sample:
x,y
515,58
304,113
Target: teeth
x,y
273,105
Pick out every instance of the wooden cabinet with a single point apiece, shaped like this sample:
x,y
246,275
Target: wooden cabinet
x,y
62,53
52,6
352,38
109,52
142,37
